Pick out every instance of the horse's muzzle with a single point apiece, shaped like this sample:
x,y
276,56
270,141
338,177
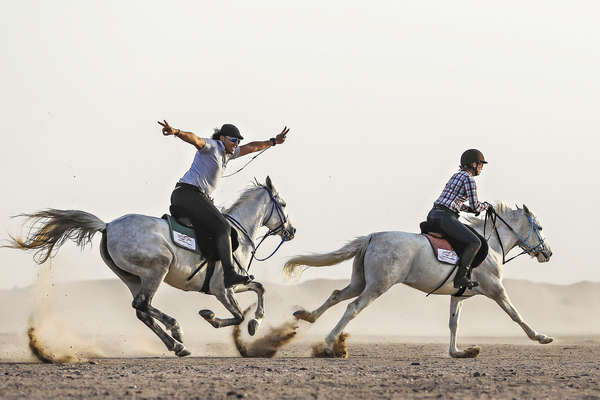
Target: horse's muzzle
x,y
289,233
544,255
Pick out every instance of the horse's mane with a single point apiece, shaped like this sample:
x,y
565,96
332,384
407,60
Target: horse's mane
x,y
477,222
248,192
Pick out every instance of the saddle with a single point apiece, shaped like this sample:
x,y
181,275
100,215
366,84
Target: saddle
x,y
447,250
185,236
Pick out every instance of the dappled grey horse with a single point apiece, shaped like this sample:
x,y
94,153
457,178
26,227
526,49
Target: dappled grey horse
x,y
384,259
140,251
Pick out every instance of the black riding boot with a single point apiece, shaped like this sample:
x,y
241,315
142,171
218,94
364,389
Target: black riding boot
x,y
462,280
229,272
233,278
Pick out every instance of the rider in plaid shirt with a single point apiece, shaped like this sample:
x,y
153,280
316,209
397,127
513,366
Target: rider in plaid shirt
x,y
445,211
459,188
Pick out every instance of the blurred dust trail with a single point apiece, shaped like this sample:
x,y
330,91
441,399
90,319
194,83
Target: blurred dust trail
x,y
340,348
49,339
42,353
267,345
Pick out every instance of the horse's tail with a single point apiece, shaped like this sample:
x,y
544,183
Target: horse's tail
x,y
292,266
49,229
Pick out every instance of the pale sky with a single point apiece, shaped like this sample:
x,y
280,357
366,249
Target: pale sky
x,y
381,99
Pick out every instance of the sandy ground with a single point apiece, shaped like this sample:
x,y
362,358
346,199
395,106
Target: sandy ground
x,y
380,368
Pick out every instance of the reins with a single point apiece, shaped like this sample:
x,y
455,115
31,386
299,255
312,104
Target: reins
x,y
494,216
245,165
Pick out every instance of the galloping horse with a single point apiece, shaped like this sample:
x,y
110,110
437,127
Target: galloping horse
x,y
384,259
140,252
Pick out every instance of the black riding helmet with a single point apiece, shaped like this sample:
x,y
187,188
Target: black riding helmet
x,y
470,156
231,131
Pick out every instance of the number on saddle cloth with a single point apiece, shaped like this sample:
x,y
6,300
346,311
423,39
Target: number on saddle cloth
x,y
443,247
185,236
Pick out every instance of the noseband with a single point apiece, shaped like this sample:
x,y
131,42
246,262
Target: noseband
x,y
275,207
491,213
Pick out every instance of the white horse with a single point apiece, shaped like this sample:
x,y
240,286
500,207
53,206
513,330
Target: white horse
x,y
140,252
384,259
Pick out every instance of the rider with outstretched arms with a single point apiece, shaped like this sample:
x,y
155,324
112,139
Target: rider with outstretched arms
x,y
192,193
446,209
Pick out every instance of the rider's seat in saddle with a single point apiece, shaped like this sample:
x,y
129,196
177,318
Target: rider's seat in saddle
x,y
184,235
447,250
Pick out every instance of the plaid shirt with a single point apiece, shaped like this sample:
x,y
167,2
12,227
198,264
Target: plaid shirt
x,y
460,187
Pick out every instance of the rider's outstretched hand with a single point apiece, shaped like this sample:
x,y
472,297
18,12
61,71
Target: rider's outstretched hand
x,y
282,136
167,129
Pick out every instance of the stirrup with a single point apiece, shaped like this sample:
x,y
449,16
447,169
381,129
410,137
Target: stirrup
x,y
237,279
466,283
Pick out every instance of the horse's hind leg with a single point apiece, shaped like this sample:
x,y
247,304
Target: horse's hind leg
x,y
356,285
150,279
134,283
365,298
455,308
146,313
169,322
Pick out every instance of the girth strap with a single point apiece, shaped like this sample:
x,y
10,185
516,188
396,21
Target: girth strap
x,y
209,273
197,270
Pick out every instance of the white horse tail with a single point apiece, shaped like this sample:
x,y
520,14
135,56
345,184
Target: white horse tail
x,y
51,228
292,266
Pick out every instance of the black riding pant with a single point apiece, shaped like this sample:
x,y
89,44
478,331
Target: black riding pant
x,y
447,222
206,218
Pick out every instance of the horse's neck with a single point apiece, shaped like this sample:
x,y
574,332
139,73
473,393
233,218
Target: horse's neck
x,y
508,238
251,215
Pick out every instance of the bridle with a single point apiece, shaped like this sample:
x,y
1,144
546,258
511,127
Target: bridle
x,y
275,208
532,251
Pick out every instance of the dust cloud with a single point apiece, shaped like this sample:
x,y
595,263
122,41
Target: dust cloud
x,y
50,340
267,345
340,348
85,319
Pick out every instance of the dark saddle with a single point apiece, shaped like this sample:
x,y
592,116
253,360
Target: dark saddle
x,y
185,236
443,247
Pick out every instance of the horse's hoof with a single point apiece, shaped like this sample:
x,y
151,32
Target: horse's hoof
x,y
304,315
545,339
207,314
180,350
471,352
252,327
183,353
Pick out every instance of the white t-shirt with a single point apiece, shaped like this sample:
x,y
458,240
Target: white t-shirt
x,y
208,166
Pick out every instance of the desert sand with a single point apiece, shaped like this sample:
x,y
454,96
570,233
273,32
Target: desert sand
x,y
381,369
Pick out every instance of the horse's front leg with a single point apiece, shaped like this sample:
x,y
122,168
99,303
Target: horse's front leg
x,y
500,297
455,309
257,288
226,298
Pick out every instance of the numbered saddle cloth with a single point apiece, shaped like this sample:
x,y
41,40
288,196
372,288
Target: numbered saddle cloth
x,y
184,235
448,252
442,249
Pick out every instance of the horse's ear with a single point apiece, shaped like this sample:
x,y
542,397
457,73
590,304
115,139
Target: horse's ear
x,y
269,183
526,210
518,208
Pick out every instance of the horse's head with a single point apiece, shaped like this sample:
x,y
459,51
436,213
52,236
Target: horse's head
x,y
532,242
277,219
